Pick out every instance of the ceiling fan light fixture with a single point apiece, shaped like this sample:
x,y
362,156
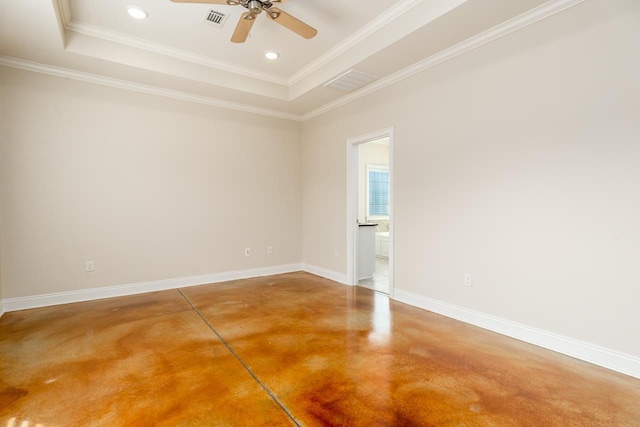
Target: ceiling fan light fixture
x,y
136,12
271,55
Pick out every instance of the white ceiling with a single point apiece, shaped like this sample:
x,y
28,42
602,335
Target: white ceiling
x,y
173,53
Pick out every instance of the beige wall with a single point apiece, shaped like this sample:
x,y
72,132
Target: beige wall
x,y
1,305
4,107
146,187
518,163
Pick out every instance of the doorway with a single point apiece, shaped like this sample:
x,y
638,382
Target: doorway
x,y
370,211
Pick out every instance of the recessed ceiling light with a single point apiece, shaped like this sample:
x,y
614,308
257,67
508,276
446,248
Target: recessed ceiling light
x,y
272,55
136,12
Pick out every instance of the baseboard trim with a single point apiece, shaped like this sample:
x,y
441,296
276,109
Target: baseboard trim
x,y
24,303
610,359
1,307
327,274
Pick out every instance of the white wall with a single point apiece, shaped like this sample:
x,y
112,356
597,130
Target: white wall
x,y
146,187
518,163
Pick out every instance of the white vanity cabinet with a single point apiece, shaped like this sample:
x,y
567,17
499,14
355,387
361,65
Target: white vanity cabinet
x,y
366,250
382,244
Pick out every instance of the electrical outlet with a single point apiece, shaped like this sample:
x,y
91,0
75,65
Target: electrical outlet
x,y
88,266
467,279
336,253
270,250
247,252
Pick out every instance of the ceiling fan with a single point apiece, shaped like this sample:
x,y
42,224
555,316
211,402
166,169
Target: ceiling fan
x,y
255,7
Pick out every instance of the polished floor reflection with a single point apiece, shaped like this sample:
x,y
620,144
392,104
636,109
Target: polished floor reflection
x,y
380,280
291,349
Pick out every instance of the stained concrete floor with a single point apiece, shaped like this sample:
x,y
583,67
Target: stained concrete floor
x,y
291,349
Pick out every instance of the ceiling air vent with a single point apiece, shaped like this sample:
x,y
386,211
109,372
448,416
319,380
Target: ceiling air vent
x,y
350,81
215,18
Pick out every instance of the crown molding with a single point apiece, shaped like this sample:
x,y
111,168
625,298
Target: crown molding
x,y
353,40
539,13
519,22
61,19
63,12
141,88
62,8
378,23
137,43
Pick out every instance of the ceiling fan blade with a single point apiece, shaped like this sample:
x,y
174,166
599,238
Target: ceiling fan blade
x,y
242,29
201,1
292,23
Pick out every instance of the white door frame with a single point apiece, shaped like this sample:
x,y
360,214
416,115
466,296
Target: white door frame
x,y
352,203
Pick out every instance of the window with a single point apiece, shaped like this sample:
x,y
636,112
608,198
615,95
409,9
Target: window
x,y
377,191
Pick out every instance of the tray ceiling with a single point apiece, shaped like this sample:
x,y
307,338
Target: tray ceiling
x,y
174,53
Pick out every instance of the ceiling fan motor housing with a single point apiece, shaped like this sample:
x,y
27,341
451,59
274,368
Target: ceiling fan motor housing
x,y
255,7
